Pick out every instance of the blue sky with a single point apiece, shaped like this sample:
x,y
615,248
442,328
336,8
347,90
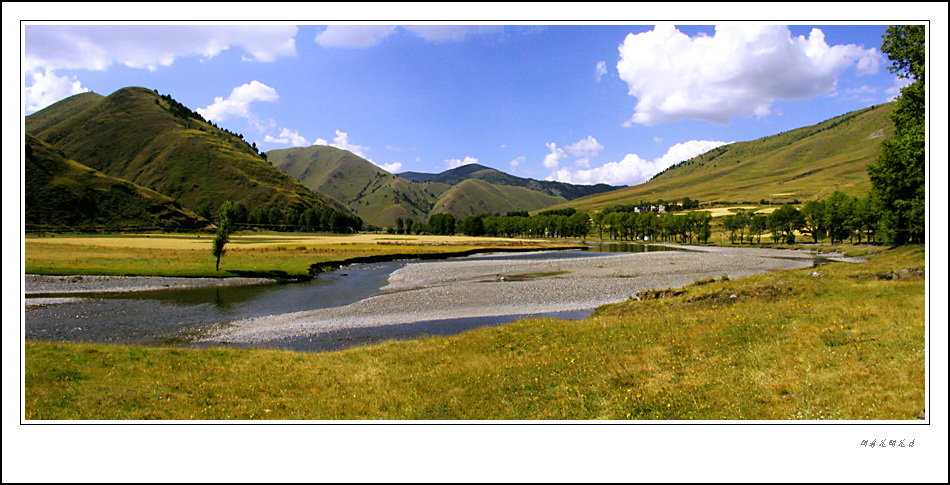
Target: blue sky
x,y
576,103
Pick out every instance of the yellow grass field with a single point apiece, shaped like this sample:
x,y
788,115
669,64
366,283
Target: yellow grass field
x,y
280,255
253,241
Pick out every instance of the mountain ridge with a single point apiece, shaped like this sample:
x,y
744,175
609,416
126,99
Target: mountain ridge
x,y
135,134
801,164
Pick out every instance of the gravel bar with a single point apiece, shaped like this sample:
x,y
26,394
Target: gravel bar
x,y
60,285
480,287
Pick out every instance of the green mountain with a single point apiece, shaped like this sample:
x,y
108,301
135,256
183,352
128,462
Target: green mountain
x,y
65,194
380,197
802,164
474,196
497,177
370,192
137,135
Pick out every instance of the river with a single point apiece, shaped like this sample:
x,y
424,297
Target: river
x,y
179,317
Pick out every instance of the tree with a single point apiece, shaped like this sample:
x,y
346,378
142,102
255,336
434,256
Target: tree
x,y
472,226
814,214
838,209
784,222
442,224
898,175
225,223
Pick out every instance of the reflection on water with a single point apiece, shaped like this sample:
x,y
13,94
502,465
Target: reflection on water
x,y
626,247
177,316
168,316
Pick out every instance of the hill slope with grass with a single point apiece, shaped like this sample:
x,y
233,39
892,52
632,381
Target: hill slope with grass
x,y
65,194
473,196
380,197
137,135
372,193
497,177
803,164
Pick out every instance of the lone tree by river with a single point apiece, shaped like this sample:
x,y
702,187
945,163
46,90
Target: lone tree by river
x,y
225,223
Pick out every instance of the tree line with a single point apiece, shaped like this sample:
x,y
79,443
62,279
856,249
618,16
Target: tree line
x,y
292,219
838,217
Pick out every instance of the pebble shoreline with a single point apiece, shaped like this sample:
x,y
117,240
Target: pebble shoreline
x,y
49,284
480,287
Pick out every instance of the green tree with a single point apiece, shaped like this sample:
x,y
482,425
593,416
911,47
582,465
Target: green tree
x,y
784,222
838,209
814,214
225,223
898,176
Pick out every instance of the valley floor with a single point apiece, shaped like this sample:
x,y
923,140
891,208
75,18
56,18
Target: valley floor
x,y
499,285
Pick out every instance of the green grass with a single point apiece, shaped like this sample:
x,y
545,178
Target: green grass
x,y
804,164
131,134
846,345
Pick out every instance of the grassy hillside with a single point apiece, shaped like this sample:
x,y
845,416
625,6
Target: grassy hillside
x,y
137,135
474,196
65,194
372,193
804,164
497,177
379,197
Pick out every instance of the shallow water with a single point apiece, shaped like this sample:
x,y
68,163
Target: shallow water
x,y
179,316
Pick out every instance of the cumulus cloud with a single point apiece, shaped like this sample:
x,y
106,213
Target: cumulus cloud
x,y
238,103
48,88
587,147
96,47
554,156
456,162
342,141
390,167
632,169
740,71
353,35
361,36
516,162
600,70
451,33
287,137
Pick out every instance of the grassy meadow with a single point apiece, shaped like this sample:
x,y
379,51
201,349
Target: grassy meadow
x,y
253,253
848,344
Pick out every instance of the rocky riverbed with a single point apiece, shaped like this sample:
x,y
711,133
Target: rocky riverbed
x,y
495,285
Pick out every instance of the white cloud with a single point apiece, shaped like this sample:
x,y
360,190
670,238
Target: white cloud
x,y
48,88
587,147
600,70
287,137
456,163
740,71
361,36
96,47
553,159
342,141
451,33
390,167
353,35
238,103
633,170
517,161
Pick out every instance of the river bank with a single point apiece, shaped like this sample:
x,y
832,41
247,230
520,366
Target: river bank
x,y
497,285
